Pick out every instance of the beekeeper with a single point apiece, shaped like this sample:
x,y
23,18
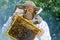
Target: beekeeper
x,y
29,11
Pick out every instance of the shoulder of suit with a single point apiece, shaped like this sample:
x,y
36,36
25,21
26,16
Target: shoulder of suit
x,y
38,18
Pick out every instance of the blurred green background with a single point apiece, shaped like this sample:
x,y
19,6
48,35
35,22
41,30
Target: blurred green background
x,y
50,13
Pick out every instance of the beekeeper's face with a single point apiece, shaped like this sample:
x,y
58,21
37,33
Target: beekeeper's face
x,y
29,12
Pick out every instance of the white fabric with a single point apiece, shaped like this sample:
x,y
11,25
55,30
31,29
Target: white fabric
x,y
46,36
40,10
20,11
43,25
6,25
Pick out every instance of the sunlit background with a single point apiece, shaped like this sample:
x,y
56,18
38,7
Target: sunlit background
x,y
50,13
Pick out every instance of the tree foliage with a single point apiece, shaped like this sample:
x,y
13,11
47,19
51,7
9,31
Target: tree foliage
x,y
51,6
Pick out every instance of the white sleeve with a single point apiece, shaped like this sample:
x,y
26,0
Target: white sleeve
x,y
6,25
20,11
46,36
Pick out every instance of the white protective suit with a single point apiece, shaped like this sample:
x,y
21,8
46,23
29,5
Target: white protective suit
x,y
41,24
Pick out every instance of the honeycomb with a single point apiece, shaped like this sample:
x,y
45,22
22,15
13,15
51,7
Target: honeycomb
x,y
22,29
